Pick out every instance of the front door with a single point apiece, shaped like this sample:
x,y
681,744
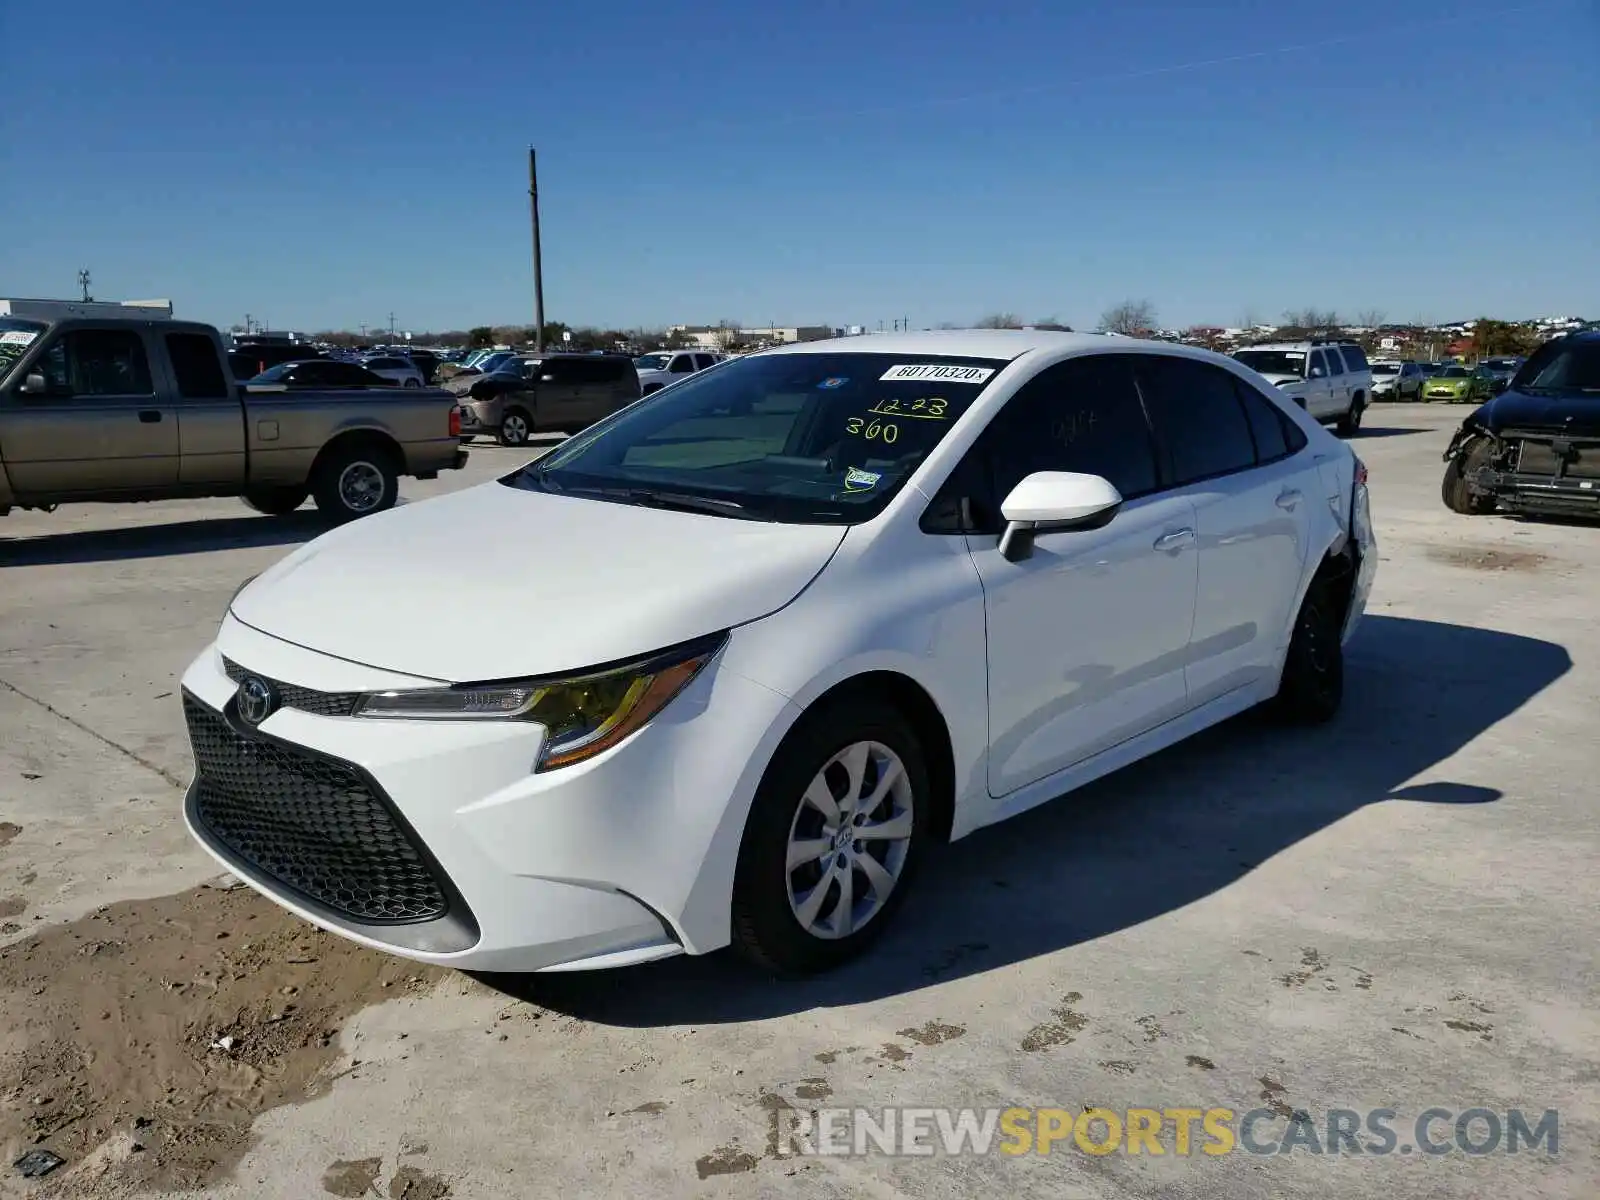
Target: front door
x,y
1086,637
557,394
98,429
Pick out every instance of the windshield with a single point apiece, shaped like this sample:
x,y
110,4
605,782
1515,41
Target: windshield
x,y
274,374
1274,362
799,438
652,362
1386,368
1454,373
1565,365
15,338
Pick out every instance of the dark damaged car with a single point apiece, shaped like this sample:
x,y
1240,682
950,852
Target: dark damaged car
x,y
1535,448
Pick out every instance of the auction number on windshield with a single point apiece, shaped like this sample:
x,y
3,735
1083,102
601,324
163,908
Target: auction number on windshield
x,y
873,431
928,408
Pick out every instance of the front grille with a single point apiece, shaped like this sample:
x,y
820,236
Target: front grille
x,y
1540,458
323,704
314,824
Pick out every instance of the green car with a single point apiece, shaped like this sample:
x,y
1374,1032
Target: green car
x,y
1460,385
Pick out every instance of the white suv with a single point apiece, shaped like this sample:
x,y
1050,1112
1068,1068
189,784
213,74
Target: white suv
x,y
661,367
780,629
1330,380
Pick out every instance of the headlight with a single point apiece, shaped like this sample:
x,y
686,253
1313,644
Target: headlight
x,y
583,714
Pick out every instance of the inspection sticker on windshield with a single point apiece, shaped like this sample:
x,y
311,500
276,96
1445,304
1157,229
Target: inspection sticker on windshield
x,y
855,479
941,371
17,337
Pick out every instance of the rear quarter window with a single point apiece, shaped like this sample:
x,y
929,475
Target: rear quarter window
x,y
1355,358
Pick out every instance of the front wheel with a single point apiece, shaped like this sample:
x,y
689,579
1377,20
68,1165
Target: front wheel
x,y
1312,685
276,501
412,383
355,480
1455,493
837,826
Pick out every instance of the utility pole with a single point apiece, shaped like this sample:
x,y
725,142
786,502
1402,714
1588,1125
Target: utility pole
x,y
538,265
247,329
391,327
83,282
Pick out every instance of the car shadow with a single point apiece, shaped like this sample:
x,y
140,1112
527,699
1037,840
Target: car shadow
x,y
1143,842
1380,431
160,541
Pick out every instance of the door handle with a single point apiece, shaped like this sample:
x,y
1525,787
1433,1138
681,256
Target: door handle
x,y
1288,500
1176,540
150,416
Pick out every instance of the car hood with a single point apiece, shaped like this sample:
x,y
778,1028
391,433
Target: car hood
x,y
494,582
1283,380
1455,383
1577,415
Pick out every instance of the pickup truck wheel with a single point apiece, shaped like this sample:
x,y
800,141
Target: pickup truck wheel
x,y
515,427
356,481
276,501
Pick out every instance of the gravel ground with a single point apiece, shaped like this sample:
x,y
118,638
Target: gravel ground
x,y
1400,910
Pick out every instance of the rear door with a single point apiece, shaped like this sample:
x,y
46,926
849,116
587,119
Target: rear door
x,y
210,417
1227,449
1337,397
558,401
99,429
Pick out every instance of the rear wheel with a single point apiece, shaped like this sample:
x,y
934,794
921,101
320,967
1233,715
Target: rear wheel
x,y
1312,686
1455,493
276,501
1351,420
836,829
355,480
412,383
515,428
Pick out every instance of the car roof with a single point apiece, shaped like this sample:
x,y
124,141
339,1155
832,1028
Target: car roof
x,y
1296,345
964,343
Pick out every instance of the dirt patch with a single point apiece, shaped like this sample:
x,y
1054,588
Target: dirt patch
x,y
813,1089
411,1184
725,1160
1487,558
1199,1062
1059,1032
11,906
932,1033
352,1179
178,1020
8,830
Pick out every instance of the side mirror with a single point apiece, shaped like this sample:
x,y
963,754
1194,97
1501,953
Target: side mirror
x,y
1053,502
1317,372
547,379
34,385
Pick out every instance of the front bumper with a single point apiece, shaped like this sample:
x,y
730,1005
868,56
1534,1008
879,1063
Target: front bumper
x,y
622,859
1539,471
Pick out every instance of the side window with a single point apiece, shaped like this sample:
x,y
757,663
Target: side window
x,y
1268,426
1198,419
1335,363
98,362
1319,366
1080,415
195,363
682,365
702,361
1355,358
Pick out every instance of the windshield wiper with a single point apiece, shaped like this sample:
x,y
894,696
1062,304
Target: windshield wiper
x,y
677,501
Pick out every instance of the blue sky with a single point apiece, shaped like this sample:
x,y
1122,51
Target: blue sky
x,y
325,164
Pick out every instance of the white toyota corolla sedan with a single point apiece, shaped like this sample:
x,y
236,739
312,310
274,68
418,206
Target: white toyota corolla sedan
x,y
741,652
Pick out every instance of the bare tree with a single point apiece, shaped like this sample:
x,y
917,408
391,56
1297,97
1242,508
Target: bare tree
x,y
1003,320
1129,317
1371,318
1311,318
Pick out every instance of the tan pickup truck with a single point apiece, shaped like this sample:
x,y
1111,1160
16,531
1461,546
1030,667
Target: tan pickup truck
x,y
116,402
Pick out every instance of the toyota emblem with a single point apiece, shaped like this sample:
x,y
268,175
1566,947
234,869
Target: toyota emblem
x,y
257,700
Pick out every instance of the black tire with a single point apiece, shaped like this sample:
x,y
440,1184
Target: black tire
x,y
516,427
1312,686
412,383
766,931
1350,422
355,479
276,501
1455,493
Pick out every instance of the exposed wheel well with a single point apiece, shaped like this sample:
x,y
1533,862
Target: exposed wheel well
x,y
908,697
1337,573
354,438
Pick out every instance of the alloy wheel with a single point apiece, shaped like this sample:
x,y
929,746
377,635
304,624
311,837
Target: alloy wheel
x,y
849,840
361,487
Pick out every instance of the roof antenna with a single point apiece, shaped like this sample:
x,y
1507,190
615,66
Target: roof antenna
x,y
83,282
